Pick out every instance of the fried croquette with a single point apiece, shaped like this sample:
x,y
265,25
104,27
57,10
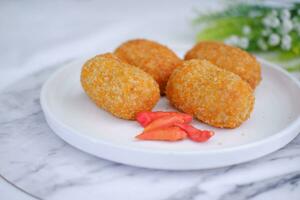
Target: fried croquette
x,y
230,58
157,60
213,95
117,87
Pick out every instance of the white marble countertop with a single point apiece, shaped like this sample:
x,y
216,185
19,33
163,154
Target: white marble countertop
x,y
38,39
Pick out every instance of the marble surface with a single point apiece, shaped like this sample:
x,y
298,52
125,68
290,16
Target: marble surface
x,y
36,160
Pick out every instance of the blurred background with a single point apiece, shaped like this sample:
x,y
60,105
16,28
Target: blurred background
x,y
36,34
39,34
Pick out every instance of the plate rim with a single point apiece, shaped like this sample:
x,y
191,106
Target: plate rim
x,y
290,128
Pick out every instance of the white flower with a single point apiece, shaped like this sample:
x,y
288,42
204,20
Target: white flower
x,y
287,26
246,30
274,13
243,43
271,21
266,32
286,42
286,38
266,21
232,40
235,40
285,14
262,44
274,39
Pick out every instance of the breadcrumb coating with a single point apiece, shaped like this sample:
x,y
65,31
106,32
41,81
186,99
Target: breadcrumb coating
x,y
117,87
230,58
213,95
157,60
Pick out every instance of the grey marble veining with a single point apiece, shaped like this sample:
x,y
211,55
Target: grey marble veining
x,y
33,158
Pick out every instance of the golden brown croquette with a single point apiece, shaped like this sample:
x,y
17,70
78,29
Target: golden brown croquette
x,y
230,58
213,95
157,60
117,87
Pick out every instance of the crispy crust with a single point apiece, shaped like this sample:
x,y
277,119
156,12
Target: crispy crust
x,y
117,87
157,60
230,58
213,95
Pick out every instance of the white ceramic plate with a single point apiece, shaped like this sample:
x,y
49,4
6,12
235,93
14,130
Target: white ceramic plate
x,y
274,122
